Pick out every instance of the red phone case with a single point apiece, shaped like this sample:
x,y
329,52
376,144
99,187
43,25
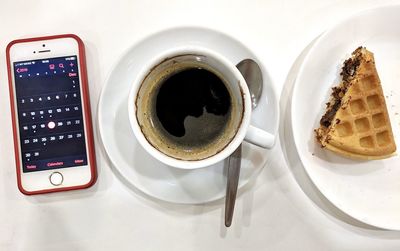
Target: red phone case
x,y
86,108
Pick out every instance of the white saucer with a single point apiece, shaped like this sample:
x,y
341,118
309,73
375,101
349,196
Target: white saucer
x,y
135,164
366,190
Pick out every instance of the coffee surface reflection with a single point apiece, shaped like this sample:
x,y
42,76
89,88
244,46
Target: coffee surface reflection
x,y
193,105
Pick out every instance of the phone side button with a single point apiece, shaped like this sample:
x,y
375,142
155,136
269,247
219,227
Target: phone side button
x,y
56,178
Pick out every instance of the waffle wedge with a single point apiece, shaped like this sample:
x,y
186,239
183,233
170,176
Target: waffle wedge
x,y
356,123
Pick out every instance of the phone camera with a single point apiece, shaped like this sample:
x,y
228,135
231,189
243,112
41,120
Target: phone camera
x,y
34,51
43,45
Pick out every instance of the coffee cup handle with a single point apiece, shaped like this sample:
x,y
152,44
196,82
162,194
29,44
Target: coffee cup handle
x,y
259,137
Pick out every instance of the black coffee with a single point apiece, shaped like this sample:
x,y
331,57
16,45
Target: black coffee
x,y
193,106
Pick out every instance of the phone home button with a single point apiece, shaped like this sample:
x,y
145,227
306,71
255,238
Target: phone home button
x,y
56,179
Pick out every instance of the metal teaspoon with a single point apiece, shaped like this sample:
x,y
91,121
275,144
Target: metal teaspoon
x,y
252,74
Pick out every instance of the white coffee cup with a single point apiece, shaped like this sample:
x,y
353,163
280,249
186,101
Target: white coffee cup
x,y
239,89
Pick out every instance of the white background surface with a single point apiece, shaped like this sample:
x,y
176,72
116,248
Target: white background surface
x,y
280,210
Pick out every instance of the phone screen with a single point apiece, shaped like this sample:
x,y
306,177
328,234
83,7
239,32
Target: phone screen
x,y
50,115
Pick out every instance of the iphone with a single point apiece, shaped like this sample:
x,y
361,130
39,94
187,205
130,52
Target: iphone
x,y
50,109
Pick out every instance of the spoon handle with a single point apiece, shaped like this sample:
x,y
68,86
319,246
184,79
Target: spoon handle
x,y
232,184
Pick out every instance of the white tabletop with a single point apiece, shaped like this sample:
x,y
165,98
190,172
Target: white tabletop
x,y
279,210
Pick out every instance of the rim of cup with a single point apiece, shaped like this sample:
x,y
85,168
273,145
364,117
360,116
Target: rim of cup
x,y
189,164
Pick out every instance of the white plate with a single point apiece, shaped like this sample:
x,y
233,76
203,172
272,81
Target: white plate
x,y
133,162
366,190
